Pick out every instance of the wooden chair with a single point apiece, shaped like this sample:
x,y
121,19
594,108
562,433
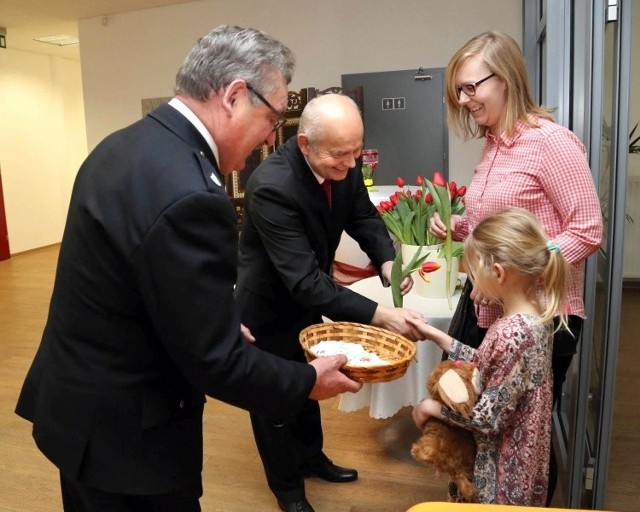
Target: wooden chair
x,y
356,94
295,105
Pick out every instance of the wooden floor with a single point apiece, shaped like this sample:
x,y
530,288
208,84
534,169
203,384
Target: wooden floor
x,y
233,477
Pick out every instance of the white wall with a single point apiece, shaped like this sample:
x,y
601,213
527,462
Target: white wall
x,y
42,144
136,55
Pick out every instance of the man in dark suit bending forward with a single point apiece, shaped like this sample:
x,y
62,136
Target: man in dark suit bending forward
x,y
297,204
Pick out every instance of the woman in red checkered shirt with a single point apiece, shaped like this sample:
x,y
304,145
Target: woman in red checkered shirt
x,y
529,161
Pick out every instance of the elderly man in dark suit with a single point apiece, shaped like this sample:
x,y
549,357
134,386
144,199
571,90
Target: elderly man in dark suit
x,y
297,204
142,321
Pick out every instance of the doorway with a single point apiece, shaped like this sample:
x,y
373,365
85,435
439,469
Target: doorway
x,y
405,120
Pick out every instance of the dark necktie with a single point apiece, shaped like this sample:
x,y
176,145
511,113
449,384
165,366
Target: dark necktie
x,y
326,187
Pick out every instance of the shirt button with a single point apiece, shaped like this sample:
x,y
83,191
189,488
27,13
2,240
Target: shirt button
x,y
181,404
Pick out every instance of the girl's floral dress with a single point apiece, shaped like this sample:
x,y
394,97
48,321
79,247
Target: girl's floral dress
x,y
511,421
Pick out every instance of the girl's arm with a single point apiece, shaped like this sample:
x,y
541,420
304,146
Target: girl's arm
x,y
456,349
429,332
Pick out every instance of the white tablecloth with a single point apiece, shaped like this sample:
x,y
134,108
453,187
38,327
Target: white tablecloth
x,y
387,398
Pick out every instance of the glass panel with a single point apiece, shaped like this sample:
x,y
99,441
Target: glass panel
x,y
624,471
600,322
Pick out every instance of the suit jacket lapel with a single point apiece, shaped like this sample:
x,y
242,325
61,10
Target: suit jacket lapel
x,y
308,180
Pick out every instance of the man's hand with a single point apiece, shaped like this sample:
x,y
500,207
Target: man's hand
x,y
396,320
330,381
405,285
247,334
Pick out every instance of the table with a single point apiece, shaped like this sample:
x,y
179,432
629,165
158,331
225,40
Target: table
x,y
387,398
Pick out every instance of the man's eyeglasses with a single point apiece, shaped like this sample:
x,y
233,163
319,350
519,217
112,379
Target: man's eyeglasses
x,y
470,89
280,119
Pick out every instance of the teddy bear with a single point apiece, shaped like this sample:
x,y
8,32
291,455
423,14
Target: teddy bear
x,y
451,450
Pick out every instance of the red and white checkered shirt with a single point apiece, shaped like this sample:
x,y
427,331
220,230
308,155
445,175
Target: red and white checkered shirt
x,y
545,171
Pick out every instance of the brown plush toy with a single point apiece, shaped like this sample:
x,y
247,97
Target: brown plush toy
x,y
451,450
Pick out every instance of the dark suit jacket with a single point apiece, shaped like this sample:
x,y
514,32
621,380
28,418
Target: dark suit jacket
x,y
287,247
142,321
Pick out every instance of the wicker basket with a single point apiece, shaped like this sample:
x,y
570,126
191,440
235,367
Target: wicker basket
x,y
396,349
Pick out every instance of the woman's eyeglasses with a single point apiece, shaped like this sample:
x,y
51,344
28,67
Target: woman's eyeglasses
x,y
470,89
280,119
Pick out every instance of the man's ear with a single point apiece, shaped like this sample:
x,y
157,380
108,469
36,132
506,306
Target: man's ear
x,y
303,143
231,95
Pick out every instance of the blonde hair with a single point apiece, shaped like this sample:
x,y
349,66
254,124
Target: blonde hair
x,y
504,58
515,239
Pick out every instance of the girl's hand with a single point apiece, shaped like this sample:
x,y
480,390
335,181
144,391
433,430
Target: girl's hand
x,y
425,410
429,332
421,325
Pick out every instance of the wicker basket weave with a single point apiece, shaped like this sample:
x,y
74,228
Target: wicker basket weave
x,y
396,349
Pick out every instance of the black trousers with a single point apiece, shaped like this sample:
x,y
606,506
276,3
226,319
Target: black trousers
x,y
564,347
78,497
289,447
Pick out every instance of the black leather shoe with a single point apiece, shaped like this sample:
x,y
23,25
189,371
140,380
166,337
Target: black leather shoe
x,y
302,505
328,471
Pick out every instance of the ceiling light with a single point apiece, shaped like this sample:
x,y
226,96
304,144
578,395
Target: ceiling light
x,y
58,40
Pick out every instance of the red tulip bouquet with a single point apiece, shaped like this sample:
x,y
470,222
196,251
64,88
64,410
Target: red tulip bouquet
x,y
407,215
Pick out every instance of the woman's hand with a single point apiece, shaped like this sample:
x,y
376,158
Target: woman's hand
x,y
425,410
437,227
478,298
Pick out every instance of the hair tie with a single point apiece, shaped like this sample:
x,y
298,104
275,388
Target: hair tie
x,y
552,246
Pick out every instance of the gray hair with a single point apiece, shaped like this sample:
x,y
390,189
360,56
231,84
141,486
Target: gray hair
x,y
229,53
314,113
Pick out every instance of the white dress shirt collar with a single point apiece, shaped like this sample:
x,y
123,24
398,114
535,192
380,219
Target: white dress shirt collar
x,y
193,119
318,177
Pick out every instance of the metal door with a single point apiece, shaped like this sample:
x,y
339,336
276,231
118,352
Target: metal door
x,y
405,120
